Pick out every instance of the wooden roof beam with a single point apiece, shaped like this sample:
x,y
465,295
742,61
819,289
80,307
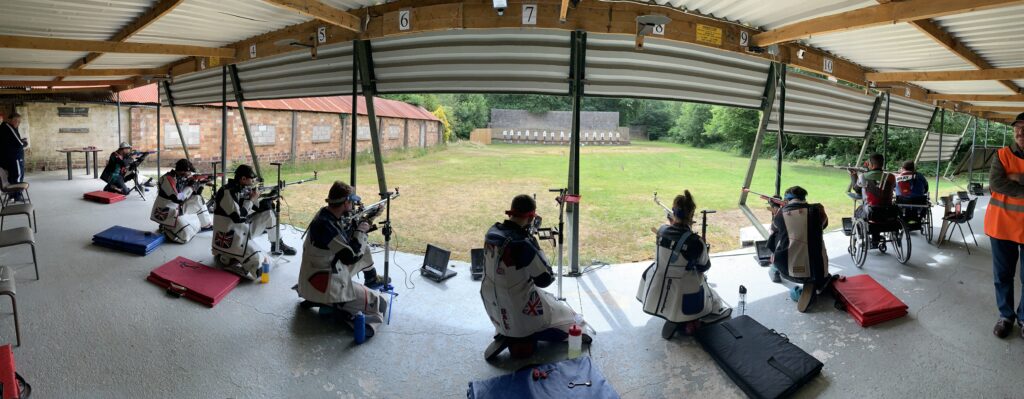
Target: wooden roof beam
x,y
882,14
56,91
77,83
80,72
319,10
933,30
982,108
976,97
49,43
941,76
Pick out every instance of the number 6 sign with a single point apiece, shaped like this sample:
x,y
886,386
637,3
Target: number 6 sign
x,y
403,20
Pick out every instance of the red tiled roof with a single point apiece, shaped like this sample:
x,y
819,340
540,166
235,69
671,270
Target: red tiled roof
x,y
335,105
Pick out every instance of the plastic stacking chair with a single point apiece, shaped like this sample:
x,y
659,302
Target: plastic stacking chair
x,y
7,288
8,191
26,209
960,219
20,236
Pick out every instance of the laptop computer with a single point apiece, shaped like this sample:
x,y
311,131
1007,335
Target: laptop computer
x,y
476,256
435,264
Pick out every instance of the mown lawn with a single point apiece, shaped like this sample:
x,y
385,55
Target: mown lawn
x,y
451,196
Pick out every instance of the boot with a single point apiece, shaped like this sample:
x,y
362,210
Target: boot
x,y
284,248
495,348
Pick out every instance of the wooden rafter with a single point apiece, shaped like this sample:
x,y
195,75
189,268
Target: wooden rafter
x,y
888,13
80,72
56,91
982,108
49,43
321,11
942,37
77,83
940,76
140,23
976,97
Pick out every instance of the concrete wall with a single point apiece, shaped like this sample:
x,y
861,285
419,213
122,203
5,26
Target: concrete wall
x,y
617,136
316,135
553,120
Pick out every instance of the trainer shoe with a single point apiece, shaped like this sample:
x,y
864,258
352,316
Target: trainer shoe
x,y
1003,327
806,294
376,282
669,329
775,275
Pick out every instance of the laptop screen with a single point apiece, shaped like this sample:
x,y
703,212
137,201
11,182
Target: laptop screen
x,y
436,258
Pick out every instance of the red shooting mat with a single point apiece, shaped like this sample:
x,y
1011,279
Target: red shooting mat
x,y
10,384
104,197
868,301
194,280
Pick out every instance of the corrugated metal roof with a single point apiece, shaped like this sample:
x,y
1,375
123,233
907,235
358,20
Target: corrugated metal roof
x,y
965,87
78,19
19,58
994,34
119,60
899,47
215,23
335,105
764,14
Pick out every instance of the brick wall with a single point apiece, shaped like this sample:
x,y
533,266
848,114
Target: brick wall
x,y
41,124
317,135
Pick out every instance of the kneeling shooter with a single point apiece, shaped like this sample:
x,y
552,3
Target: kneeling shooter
x,y
179,207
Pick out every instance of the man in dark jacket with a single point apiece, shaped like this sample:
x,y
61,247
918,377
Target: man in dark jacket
x,y
12,151
118,170
798,246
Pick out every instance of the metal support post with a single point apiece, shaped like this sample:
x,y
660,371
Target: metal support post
x,y
174,115
767,104
223,125
240,99
577,73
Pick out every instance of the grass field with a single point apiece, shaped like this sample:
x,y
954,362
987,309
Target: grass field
x,y
451,196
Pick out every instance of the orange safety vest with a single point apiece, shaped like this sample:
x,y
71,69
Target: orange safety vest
x,y
1004,218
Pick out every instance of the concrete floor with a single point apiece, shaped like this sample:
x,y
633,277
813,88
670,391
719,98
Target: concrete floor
x,y
94,328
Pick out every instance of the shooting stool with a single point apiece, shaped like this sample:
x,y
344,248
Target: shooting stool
x,y
7,288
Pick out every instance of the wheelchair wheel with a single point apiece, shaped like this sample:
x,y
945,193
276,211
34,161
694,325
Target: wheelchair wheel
x,y
926,225
859,242
901,242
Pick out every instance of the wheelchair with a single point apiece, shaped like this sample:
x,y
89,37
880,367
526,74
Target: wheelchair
x,y
918,216
884,221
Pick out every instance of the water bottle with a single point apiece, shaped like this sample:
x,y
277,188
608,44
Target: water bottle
x,y
743,300
359,327
265,277
575,341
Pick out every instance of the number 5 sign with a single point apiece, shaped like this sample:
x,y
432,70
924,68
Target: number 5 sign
x,y
403,20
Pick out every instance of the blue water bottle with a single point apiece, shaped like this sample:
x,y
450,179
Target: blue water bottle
x,y
359,326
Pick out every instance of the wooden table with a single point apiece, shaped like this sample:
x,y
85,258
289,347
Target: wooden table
x,y
86,151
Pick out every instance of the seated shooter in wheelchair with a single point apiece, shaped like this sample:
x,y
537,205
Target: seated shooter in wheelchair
x,y
912,199
877,216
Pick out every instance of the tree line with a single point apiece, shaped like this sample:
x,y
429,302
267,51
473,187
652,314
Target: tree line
x,y
725,128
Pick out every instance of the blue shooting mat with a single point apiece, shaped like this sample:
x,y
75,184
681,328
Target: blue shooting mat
x,y
520,384
128,240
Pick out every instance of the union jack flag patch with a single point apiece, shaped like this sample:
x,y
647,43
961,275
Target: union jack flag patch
x,y
161,213
224,240
534,307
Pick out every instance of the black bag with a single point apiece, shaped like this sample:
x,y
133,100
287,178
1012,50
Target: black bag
x,y
762,362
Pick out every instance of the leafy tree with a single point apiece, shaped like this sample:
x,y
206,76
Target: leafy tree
x,y
689,124
441,114
470,111
735,127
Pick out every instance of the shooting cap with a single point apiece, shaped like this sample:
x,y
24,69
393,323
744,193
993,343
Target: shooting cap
x,y
1019,120
183,165
245,171
124,144
523,206
341,192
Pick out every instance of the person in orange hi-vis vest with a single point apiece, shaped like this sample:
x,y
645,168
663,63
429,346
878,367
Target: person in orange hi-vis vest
x,y
1004,224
